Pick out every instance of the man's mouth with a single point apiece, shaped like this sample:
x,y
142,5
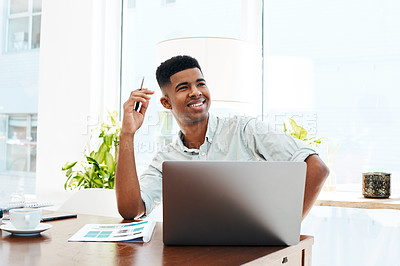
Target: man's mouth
x,y
197,104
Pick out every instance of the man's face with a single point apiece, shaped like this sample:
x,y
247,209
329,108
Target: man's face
x,y
187,96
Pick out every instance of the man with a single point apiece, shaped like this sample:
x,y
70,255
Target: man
x,y
202,137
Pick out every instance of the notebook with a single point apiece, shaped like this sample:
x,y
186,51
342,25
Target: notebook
x,y
232,203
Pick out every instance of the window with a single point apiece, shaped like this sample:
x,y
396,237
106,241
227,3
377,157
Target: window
x,y
23,25
332,66
19,82
20,149
339,60
18,142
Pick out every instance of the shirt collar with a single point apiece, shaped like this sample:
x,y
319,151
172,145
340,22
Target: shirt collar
x,y
211,128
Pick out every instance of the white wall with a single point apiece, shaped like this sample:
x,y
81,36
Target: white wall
x,y
79,80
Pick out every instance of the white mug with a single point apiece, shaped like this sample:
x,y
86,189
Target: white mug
x,y
25,218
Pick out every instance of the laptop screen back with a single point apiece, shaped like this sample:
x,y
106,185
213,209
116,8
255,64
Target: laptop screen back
x,y
232,203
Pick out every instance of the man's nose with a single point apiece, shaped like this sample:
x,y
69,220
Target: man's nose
x,y
194,91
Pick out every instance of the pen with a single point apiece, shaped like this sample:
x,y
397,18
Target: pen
x,y
138,103
59,217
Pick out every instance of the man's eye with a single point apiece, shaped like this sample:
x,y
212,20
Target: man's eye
x,y
181,88
201,84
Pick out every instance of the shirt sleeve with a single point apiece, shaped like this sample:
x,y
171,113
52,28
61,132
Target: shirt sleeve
x,y
266,144
151,185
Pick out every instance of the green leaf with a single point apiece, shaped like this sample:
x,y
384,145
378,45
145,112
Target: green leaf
x,y
69,165
298,131
109,160
316,141
114,114
302,133
68,178
91,173
69,172
108,139
84,176
293,124
103,174
98,182
91,160
111,184
103,127
114,167
80,182
99,156
71,182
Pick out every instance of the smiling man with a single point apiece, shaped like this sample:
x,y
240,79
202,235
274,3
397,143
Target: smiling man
x,y
188,98
202,137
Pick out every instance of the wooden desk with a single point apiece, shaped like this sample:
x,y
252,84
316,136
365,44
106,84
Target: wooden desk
x,y
356,200
52,248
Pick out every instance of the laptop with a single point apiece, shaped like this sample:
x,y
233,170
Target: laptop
x,y
232,203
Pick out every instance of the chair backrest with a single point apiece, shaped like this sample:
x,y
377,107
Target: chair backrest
x,y
94,201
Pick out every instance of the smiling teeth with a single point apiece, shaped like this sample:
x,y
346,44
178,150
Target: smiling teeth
x,y
195,105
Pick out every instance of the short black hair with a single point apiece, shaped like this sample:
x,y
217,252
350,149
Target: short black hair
x,y
173,66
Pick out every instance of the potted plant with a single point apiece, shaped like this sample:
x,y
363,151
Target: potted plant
x,y
301,133
97,170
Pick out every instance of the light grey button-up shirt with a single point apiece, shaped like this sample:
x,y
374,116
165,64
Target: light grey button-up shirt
x,y
235,138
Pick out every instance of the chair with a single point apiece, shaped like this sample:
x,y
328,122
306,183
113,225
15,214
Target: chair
x,y
156,214
102,202
94,201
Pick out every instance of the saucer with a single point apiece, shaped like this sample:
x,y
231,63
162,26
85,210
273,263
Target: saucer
x,y
25,232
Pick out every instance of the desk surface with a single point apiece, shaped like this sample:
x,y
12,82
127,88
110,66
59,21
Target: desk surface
x,y
52,248
357,200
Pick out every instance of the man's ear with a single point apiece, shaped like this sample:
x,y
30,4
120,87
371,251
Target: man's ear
x,y
165,102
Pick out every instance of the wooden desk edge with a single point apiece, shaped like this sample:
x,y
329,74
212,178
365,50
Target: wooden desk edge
x,y
305,243
355,200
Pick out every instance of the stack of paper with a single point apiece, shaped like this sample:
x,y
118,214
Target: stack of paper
x,y
127,232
